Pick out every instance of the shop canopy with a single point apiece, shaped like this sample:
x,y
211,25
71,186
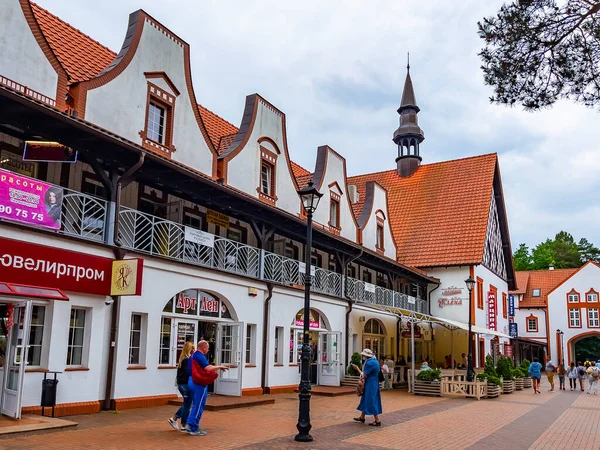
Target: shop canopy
x,y
15,291
413,316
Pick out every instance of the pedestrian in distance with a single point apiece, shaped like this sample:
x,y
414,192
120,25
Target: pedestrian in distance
x,y
201,375
581,375
550,369
561,376
592,373
370,401
572,376
182,380
535,371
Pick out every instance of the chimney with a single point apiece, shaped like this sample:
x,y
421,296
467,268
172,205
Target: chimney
x,y
551,268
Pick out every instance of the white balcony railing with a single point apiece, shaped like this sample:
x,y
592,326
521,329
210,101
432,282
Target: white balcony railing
x,y
86,216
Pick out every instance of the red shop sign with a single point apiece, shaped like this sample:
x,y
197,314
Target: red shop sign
x,y
492,310
508,350
25,263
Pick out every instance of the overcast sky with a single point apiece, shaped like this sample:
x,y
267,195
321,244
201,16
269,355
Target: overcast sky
x,y
337,68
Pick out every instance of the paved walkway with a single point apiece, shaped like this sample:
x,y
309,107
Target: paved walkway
x,y
518,421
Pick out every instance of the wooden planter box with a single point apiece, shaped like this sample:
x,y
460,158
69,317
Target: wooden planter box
x,y
519,384
508,387
430,388
493,390
527,383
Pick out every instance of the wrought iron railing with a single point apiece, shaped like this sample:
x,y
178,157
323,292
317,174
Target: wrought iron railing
x,y
83,215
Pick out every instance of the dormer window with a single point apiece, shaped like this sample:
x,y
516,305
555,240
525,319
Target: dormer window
x,y
535,292
379,242
267,182
379,232
334,213
266,178
573,297
592,297
156,123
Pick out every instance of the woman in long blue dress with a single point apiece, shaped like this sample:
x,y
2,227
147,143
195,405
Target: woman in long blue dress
x,y
370,402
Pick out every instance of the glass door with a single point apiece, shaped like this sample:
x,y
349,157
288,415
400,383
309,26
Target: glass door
x,y
229,353
185,330
16,360
329,358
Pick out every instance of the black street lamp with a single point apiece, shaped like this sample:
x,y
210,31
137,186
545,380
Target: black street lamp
x,y
470,282
310,200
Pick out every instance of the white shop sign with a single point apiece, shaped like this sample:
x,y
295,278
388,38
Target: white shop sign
x,y
199,237
302,269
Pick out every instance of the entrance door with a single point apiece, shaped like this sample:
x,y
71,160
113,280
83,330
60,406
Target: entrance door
x,y
16,360
229,353
185,330
328,360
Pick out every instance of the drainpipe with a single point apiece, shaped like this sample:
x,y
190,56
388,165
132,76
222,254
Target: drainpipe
x,y
265,359
429,297
111,353
123,180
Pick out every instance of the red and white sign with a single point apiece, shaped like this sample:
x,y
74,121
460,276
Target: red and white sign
x,y
210,305
508,350
185,302
311,324
25,263
492,307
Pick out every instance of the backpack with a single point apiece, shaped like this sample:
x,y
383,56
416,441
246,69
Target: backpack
x,y
581,371
202,376
381,376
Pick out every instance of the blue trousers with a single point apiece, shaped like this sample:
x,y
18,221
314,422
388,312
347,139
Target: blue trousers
x,y
198,394
184,411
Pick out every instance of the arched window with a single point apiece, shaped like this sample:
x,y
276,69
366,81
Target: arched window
x,y
374,337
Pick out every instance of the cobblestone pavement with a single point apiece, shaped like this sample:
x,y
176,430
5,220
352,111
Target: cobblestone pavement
x,y
522,420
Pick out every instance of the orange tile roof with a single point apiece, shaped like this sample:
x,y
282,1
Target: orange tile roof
x,y
439,215
81,56
544,280
216,126
298,170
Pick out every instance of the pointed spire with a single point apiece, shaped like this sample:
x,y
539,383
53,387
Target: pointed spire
x,y
408,94
407,62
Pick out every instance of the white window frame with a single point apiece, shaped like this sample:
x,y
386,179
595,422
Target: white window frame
x,y
160,135
536,292
531,320
43,345
142,343
278,345
380,236
169,346
592,297
573,297
593,317
250,356
574,318
334,206
85,345
266,188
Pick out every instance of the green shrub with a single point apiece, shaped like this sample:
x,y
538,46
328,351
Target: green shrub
x,y
429,375
355,359
504,368
525,365
490,379
517,373
490,370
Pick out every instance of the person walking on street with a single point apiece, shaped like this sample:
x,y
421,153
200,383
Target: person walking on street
x,y
550,369
592,372
183,378
535,371
199,392
572,376
370,401
581,374
561,376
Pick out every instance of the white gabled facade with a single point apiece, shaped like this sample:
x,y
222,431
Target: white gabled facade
x,y
375,231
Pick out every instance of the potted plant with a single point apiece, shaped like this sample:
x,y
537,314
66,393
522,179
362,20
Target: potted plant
x,y
504,370
524,368
518,377
494,384
355,359
428,383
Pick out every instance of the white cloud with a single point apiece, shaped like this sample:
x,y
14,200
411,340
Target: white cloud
x,y
337,69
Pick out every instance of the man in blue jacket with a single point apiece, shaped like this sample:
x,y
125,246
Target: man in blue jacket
x,y
197,391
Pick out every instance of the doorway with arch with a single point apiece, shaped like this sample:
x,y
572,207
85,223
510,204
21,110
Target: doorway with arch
x,y
374,335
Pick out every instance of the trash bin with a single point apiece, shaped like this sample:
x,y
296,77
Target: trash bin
x,y
49,392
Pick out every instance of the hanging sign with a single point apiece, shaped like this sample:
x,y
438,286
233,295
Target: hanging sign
x,y
370,288
217,218
48,152
302,269
27,200
199,237
511,305
492,310
513,330
508,350
127,277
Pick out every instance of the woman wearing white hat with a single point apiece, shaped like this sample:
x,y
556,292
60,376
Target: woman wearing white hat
x,y
370,402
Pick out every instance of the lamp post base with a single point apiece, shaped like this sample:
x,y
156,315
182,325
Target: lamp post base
x,y
301,437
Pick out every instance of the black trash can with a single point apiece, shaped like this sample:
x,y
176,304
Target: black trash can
x,y
49,392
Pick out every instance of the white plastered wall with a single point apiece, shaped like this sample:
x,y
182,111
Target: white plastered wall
x,y
359,317
243,170
120,105
369,233
21,58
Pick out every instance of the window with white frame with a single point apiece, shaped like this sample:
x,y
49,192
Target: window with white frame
x,y
75,347
156,123
135,340
573,297
592,297
164,351
574,318
379,242
535,292
278,345
334,213
266,175
532,324
593,321
36,335
251,344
